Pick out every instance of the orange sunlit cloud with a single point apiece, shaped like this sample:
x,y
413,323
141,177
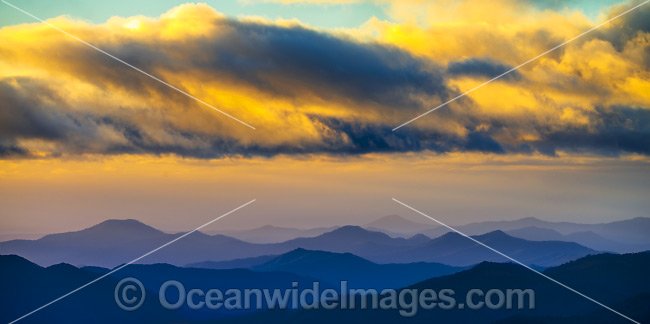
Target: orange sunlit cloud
x,y
310,91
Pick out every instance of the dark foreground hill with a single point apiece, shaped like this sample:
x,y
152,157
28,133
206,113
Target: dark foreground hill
x,y
336,267
619,281
26,286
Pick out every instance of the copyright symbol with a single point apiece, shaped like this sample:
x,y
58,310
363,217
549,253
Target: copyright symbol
x,y
127,296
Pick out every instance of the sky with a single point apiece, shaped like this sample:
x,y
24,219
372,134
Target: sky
x,y
84,138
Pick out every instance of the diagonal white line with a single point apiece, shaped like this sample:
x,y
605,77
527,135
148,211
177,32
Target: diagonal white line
x,y
518,66
129,65
515,261
133,261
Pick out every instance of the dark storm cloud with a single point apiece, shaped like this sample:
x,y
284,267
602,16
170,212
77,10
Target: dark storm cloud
x,y
323,64
284,61
23,115
23,112
626,28
618,130
482,67
29,111
371,138
8,150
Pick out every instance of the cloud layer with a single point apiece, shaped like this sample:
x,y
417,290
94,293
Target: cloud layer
x,y
313,91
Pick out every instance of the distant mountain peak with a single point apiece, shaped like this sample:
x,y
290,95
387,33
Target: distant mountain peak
x,y
350,229
358,232
398,224
342,239
107,231
495,234
117,223
299,251
62,267
492,266
530,218
314,259
393,217
419,237
537,228
271,227
450,234
123,221
115,226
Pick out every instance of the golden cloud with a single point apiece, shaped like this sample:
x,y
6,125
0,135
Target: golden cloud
x,y
315,91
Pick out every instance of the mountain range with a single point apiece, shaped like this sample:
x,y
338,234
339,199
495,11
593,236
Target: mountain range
x,y
586,238
396,225
114,242
336,267
619,236
273,234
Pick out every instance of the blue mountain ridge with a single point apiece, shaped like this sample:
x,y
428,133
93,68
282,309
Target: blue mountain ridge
x,y
336,267
114,242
